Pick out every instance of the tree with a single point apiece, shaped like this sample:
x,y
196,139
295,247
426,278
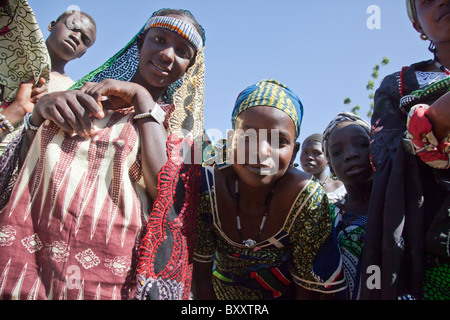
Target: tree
x,y
369,87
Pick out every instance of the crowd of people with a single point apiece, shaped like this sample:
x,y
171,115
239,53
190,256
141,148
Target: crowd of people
x,y
103,196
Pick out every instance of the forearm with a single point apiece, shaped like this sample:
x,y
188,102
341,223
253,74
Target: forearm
x,y
202,287
13,114
153,145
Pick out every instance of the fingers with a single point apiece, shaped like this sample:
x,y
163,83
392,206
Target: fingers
x,y
69,110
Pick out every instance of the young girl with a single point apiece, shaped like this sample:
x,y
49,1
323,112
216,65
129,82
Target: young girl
x,y
261,221
97,217
35,66
346,146
407,234
314,162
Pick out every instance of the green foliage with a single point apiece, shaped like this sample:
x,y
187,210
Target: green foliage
x,y
369,87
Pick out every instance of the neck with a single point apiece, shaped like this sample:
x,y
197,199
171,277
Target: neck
x,y
253,197
322,177
58,65
358,196
443,54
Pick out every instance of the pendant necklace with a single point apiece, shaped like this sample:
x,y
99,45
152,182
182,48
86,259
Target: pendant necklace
x,y
442,68
325,181
250,242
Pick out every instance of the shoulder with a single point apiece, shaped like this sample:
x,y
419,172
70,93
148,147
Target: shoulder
x,y
295,180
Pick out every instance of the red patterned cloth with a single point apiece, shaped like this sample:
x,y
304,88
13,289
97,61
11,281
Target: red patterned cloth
x,y
74,222
433,152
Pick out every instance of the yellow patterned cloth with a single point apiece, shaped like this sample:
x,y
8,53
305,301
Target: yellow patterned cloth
x,y
23,51
304,252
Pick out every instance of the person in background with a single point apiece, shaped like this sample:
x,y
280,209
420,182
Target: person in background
x,y
409,225
313,161
30,72
346,146
264,229
110,212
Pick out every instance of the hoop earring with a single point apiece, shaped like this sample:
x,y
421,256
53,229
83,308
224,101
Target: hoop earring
x,y
423,36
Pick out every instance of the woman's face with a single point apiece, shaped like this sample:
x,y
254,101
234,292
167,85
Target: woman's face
x,y
433,19
164,56
348,147
263,144
71,36
312,158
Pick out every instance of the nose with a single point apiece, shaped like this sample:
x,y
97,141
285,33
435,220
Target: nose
x,y
351,153
168,53
264,150
76,37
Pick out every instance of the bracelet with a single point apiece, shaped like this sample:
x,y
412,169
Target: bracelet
x,y
28,125
6,126
157,113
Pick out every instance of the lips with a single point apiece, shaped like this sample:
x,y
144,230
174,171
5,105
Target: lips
x,y
355,170
71,44
162,69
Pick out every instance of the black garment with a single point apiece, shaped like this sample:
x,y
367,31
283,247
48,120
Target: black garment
x,y
405,198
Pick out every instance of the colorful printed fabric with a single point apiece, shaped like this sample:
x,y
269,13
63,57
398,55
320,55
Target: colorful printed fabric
x,y
270,93
80,206
306,256
419,130
22,48
351,230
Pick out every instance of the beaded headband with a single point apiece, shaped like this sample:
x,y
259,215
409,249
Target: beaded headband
x,y
411,10
182,28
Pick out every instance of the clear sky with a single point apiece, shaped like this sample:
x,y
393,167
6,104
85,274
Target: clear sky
x,y
323,50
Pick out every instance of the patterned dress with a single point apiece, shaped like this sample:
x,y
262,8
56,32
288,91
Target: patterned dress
x,y
302,252
73,224
351,231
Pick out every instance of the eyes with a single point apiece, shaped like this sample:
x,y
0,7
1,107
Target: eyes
x,y
359,145
181,49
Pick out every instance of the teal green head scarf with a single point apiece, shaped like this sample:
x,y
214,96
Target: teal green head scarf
x,y
273,94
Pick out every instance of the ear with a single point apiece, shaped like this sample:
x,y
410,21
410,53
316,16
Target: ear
x,y
51,26
418,27
296,150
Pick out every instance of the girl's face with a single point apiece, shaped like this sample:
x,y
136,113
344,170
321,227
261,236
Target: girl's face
x,y
434,19
312,158
71,36
263,144
164,57
348,147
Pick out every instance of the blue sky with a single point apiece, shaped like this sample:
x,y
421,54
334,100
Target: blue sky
x,y
322,50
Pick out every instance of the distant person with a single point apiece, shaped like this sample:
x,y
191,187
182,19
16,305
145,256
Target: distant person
x,y
346,144
264,229
35,67
313,161
409,224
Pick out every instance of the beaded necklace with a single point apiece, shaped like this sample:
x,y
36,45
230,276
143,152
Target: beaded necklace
x,y
442,68
250,242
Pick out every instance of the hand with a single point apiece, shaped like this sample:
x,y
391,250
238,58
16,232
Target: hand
x,y
439,115
28,94
120,94
70,110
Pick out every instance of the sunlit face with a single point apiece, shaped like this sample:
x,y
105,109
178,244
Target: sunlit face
x,y
71,36
348,149
312,158
164,56
433,19
263,145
